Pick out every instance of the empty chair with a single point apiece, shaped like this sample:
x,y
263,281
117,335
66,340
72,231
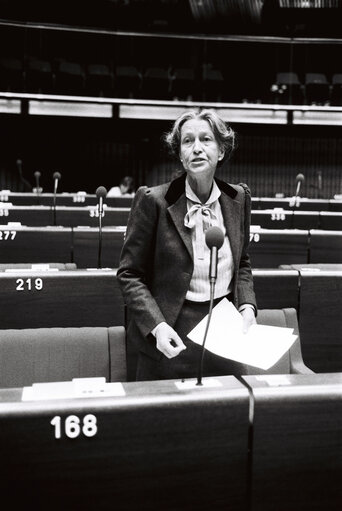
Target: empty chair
x,y
39,76
336,89
69,78
156,83
292,362
12,74
213,83
288,88
183,84
317,89
128,81
99,80
60,354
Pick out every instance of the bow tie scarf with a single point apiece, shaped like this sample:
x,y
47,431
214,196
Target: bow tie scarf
x,y
200,217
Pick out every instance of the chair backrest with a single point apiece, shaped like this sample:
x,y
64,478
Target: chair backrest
x,y
41,355
292,361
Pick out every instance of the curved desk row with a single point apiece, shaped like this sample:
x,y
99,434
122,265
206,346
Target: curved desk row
x,y
262,443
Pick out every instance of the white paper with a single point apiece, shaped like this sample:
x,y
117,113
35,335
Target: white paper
x,y
262,346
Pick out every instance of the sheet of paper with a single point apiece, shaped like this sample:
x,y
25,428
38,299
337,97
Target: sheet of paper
x,y
261,347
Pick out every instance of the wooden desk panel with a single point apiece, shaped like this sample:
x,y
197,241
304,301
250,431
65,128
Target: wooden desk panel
x,y
62,199
303,204
272,219
269,248
320,320
331,220
297,442
325,246
276,289
35,244
157,448
39,216
60,299
86,246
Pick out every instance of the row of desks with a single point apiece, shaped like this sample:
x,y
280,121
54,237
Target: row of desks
x,y
268,248
263,443
76,298
88,216
86,199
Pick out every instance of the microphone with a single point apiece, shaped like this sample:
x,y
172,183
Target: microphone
x,y
56,176
37,175
20,170
299,180
101,193
214,239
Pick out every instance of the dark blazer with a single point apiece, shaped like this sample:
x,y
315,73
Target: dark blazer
x,y
156,261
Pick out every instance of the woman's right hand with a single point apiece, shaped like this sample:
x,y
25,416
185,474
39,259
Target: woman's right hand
x,y
168,341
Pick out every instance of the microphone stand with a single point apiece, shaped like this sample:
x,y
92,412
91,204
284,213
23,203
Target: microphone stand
x,y
100,232
200,369
54,205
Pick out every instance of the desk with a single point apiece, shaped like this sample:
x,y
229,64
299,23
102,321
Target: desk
x,y
304,204
62,199
331,220
34,299
38,216
325,246
269,248
20,244
276,289
86,245
297,442
320,319
157,448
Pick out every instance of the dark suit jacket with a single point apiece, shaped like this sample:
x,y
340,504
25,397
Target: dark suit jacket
x,y
156,262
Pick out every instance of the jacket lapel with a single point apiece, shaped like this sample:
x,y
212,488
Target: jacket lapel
x,y
177,212
177,209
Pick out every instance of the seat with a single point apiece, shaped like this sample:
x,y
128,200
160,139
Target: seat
x,y
99,80
317,89
184,85
128,81
292,362
213,83
156,83
69,78
60,354
336,89
12,74
39,76
288,89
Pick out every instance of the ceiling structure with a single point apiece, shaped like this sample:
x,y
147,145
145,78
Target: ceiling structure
x,y
289,18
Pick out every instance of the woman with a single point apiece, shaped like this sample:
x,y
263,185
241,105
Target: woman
x,y
163,271
125,188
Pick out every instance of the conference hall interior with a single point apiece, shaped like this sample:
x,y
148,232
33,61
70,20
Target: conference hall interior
x,y
90,93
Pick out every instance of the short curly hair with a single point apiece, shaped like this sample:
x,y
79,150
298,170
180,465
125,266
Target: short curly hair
x,y
224,134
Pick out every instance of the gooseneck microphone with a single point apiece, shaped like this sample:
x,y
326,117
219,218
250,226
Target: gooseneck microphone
x,y
37,175
214,239
56,177
20,171
101,193
299,180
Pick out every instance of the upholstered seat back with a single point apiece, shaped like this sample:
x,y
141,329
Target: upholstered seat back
x,y
60,354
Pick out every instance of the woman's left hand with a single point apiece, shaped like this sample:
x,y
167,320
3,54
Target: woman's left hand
x,y
248,317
